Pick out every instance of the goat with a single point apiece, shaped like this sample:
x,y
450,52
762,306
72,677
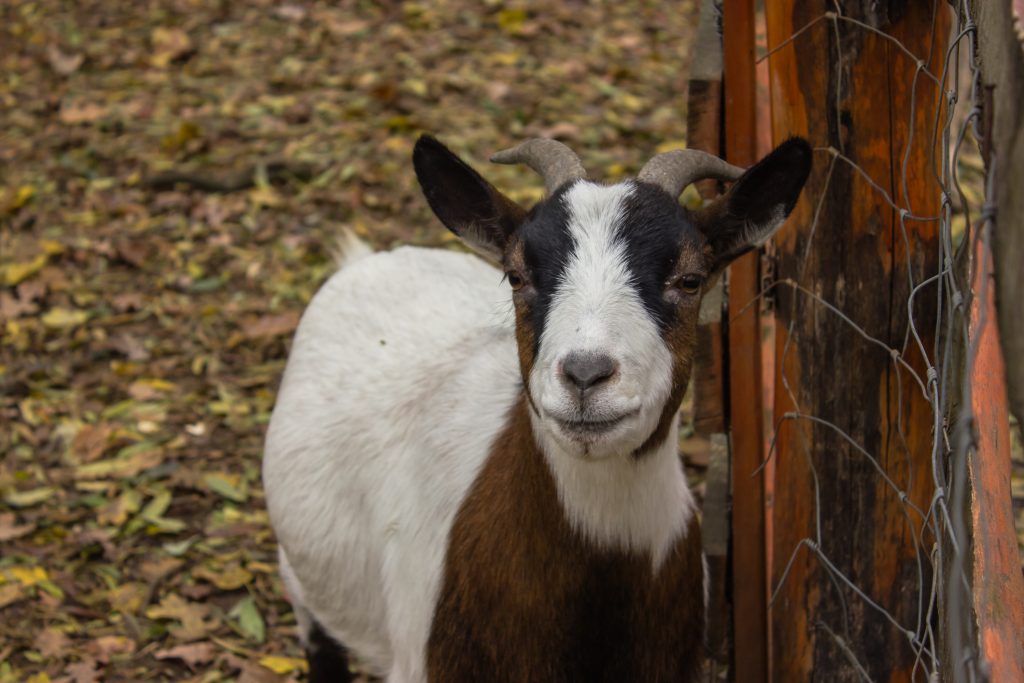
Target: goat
x,y
476,478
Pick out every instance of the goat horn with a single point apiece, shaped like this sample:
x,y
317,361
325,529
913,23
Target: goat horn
x,y
555,162
673,171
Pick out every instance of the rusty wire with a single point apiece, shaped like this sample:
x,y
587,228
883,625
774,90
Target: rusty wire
x,y
941,535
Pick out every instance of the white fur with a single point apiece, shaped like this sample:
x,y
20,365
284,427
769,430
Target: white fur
x,y
402,373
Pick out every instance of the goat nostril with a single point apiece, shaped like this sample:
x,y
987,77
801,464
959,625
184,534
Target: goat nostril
x,y
585,370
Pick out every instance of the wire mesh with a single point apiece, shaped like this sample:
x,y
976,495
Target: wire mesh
x,y
942,634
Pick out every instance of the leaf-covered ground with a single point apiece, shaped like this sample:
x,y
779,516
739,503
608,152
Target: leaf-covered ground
x,y
145,324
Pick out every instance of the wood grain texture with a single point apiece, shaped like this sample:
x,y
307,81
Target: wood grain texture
x,y
746,408
856,259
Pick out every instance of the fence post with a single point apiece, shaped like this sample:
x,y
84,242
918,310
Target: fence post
x,y
849,89
750,622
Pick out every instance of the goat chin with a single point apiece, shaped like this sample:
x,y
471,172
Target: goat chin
x,y
403,376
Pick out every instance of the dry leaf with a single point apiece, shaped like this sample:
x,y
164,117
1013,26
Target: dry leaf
x,y
272,325
63,64
169,44
9,530
192,654
52,642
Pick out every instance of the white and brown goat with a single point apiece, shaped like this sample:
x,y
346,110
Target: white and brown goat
x,y
460,497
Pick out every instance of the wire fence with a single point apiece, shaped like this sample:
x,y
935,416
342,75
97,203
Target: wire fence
x,y
939,627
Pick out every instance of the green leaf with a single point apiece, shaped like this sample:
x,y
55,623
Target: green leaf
x,y
221,484
249,620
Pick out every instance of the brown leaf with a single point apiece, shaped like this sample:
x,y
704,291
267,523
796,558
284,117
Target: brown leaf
x,y
9,530
73,113
156,570
106,647
169,44
196,620
129,301
90,441
11,308
31,290
192,654
84,671
63,64
272,325
52,642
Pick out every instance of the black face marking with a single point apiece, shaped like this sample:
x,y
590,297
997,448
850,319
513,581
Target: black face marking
x,y
547,248
655,229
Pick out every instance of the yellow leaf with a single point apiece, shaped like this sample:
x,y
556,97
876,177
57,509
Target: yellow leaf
x,y
511,20
229,578
283,665
23,499
21,197
264,195
631,102
13,273
670,145
121,467
64,317
38,678
28,576
51,247
505,58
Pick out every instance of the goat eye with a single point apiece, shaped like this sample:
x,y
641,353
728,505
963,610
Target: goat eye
x,y
690,284
514,280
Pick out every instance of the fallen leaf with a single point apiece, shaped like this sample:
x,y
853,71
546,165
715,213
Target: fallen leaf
x,y
51,642
283,665
63,64
24,499
61,318
192,654
84,671
127,598
121,467
9,530
249,619
195,619
169,44
13,273
230,578
90,441
105,648
230,486
73,113
10,593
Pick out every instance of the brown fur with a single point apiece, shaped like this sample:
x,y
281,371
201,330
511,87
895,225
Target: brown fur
x,y
541,604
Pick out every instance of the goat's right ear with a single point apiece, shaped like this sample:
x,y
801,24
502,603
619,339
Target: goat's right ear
x,y
467,204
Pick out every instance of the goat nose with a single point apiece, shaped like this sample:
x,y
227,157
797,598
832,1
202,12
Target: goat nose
x,y
585,370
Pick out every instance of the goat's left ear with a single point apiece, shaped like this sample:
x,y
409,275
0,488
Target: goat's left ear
x,y
468,205
757,204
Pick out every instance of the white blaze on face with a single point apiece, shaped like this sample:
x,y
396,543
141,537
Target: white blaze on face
x,y
596,310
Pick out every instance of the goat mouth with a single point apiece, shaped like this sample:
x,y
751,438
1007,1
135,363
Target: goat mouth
x,y
589,428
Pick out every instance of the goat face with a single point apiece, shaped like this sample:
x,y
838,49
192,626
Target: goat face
x,y
607,283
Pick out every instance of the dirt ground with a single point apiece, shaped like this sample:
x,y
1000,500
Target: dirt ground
x,y
145,324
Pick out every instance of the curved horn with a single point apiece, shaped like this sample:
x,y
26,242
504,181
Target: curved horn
x,y
673,171
555,162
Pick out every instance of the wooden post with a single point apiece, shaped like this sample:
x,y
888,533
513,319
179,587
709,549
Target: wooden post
x,y
750,623
704,132
1001,51
854,97
998,584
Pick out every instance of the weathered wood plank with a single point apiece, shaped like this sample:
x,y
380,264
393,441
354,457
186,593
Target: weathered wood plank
x,y
856,260
750,660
